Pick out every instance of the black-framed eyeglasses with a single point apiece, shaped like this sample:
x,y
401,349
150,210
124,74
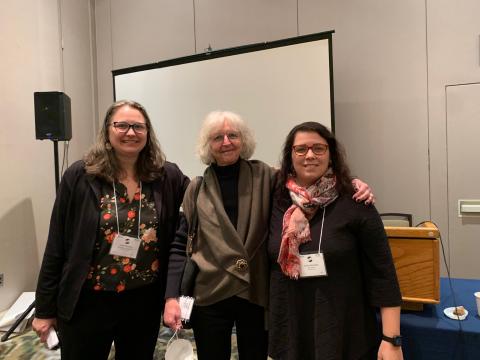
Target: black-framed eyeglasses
x,y
123,127
317,149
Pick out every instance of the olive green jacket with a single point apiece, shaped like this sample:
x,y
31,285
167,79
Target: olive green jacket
x,y
232,262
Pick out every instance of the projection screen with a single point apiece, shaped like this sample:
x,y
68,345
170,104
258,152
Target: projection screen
x,y
273,86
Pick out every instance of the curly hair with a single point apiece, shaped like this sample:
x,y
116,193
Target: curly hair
x,y
215,119
101,161
337,156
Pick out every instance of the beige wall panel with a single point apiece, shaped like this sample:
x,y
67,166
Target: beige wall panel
x,y
228,23
104,59
463,127
454,41
78,73
380,79
31,61
453,58
148,31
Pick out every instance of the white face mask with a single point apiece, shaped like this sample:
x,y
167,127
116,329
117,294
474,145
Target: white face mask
x,y
179,349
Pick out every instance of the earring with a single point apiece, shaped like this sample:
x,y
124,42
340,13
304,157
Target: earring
x,y
108,146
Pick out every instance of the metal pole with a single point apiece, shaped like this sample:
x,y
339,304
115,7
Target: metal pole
x,y
55,156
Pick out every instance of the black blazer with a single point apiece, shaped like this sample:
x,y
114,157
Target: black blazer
x,y
73,230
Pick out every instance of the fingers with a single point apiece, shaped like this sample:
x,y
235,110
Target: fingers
x,y
43,336
178,325
370,200
366,196
174,323
42,333
42,327
362,194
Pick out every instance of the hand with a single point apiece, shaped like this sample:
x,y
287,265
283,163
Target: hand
x,y
41,327
387,351
172,314
363,192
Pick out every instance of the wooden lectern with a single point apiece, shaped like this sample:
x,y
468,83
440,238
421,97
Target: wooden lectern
x,y
416,253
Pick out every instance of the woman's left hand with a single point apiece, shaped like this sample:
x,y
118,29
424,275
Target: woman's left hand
x,y
387,351
172,314
362,192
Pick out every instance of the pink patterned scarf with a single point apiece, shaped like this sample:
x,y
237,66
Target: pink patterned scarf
x,y
296,229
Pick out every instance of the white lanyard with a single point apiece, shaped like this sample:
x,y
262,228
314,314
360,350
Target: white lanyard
x,y
321,230
313,265
139,209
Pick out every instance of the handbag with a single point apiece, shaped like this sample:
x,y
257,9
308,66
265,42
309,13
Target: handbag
x,y
179,349
190,269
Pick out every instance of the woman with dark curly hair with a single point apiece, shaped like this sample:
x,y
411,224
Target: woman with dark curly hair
x,y
331,264
104,268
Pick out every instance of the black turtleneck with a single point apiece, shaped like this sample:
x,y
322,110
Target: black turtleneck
x,y
228,179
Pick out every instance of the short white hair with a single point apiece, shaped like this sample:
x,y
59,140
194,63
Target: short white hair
x,y
215,119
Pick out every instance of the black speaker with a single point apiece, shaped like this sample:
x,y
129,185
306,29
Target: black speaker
x,y
53,116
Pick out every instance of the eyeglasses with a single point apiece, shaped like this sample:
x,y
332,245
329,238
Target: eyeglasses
x,y
317,149
123,127
232,136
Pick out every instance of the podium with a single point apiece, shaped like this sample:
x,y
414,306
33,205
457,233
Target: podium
x,y
416,253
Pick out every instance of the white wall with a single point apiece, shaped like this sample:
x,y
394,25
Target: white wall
x,y
32,60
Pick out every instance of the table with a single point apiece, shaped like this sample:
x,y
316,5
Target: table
x,y
430,335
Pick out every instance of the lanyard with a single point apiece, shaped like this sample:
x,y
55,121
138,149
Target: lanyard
x,y
139,209
321,230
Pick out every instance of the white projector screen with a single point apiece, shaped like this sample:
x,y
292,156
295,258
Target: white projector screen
x,y
273,86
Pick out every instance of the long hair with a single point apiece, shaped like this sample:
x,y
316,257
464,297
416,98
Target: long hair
x,y
337,156
101,161
215,119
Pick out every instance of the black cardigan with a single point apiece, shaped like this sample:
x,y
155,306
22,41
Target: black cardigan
x,y
73,230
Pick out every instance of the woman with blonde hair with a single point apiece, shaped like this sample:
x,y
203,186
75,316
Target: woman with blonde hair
x,y
104,268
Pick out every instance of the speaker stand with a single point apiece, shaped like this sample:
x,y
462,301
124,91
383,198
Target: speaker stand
x,y
55,159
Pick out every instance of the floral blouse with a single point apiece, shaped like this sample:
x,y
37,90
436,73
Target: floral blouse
x,y
118,273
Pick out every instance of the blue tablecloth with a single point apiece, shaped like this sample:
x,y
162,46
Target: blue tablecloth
x,y
430,335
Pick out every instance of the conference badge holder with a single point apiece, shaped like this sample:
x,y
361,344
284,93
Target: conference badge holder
x,y
126,246
312,265
186,306
123,245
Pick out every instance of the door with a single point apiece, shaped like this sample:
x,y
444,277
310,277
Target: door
x,y
463,149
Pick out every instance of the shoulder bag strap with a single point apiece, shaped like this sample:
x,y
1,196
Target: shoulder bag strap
x,y
193,224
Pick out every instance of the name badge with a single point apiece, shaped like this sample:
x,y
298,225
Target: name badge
x,y
312,265
186,306
126,246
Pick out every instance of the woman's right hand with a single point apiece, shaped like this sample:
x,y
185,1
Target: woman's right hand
x,y
172,314
42,326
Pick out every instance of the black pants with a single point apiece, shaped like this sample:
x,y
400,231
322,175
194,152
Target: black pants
x,y
212,326
130,319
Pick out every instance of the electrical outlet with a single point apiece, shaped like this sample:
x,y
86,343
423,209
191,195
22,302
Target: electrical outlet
x,y
1,280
